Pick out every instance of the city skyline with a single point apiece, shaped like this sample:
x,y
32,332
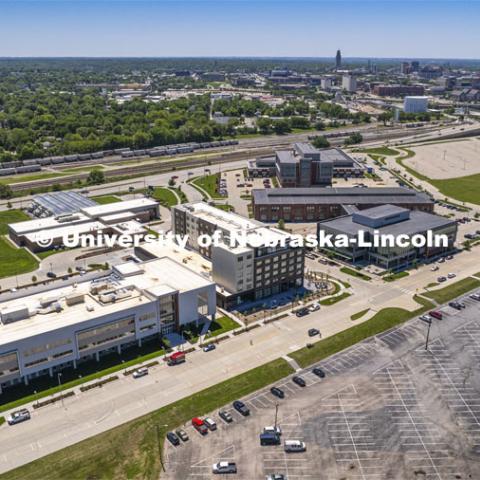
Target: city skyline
x,y
239,29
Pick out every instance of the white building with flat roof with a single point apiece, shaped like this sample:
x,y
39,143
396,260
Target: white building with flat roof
x,y
48,331
415,104
349,83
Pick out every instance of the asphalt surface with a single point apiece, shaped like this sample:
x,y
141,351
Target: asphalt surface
x,y
386,409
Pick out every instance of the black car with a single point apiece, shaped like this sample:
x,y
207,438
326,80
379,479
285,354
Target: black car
x,y
241,408
277,392
173,439
51,275
318,372
299,381
455,305
224,415
182,434
302,312
313,332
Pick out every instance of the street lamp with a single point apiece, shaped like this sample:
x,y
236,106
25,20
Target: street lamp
x,y
428,334
59,377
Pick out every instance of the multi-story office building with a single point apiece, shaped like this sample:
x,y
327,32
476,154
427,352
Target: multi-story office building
x,y
314,204
389,220
60,327
413,104
264,265
349,83
306,166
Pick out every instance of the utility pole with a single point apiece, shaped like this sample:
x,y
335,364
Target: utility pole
x,y
428,334
59,377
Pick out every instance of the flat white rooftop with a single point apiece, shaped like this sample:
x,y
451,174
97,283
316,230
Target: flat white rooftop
x,y
37,224
118,207
64,231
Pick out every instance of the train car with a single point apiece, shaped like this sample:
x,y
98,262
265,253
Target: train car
x,y
185,149
7,171
171,151
107,153
119,151
138,153
157,153
127,154
56,160
85,156
195,145
28,168
45,161
13,164
216,144
33,161
96,155
71,158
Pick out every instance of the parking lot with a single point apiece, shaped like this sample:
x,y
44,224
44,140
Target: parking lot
x,y
386,409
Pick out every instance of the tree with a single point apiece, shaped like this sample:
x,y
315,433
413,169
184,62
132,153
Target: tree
x,y
354,138
5,191
385,117
281,224
281,127
96,177
171,182
34,279
320,142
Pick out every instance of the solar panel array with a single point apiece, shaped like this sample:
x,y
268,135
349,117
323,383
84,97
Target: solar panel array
x,y
60,203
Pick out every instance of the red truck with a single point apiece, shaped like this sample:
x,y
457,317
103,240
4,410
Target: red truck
x,y
176,358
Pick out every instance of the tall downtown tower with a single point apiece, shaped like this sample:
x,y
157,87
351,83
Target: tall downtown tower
x,y
338,59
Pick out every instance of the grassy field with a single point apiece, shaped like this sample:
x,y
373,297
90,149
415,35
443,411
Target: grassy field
x,y
379,151
381,321
453,290
11,216
165,196
360,314
106,199
225,207
132,449
221,325
30,177
333,300
14,261
355,273
209,184
395,276
464,189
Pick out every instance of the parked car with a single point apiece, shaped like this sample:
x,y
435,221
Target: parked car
x,y
441,279
241,408
426,318
313,332
318,372
299,381
435,268
275,476
314,307
436,314
449,257
18,416
451,275
294,446
224,415
269,438
209,347
173,439
475,296
272,429
51,275
182,435
442,260
210,423
199,425
224,467
456,305
302,312
277,392
140,372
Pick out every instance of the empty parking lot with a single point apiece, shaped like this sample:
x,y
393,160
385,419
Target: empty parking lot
x,y
386,409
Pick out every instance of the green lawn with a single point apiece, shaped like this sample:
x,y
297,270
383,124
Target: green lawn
x,y
379,151
355,273
221,325
30,177
360,314
106,199
14,261
453,290
11,216
132,449
333,300
463,189
381,321
209,183
395,276
225,207
165,196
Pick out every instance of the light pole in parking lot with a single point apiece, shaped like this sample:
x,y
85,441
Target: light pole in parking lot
x,y
428,334
276,415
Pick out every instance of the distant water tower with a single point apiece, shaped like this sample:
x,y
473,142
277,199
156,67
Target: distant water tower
x,y
338,60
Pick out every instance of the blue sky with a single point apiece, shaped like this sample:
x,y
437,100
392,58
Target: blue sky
x,y
389,28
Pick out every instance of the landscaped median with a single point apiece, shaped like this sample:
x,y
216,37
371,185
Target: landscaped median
x,y
381,321
453,290
355,273
132,449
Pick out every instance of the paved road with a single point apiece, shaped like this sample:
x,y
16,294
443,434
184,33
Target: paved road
x,y
89,413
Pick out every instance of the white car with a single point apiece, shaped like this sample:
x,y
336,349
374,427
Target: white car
x,y
475,296
140,372
294,446
210,423
451,275
435,268
18,416
426,318
314,307
224,467
271,429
